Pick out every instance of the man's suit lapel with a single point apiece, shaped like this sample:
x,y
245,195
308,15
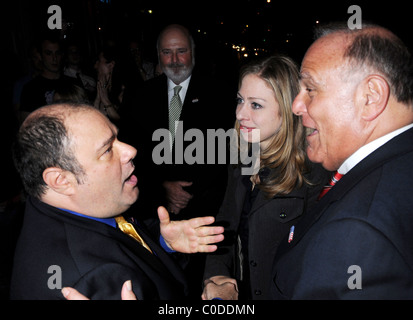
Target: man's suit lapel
x,y
162,255
190,113
158,261
163,103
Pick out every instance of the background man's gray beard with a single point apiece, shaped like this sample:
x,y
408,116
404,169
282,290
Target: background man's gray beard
x,y
178,77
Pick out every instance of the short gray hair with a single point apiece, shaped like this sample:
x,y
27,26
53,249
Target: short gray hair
x,y
381,50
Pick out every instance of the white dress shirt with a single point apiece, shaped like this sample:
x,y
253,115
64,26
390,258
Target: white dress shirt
x,y
182,93
364,151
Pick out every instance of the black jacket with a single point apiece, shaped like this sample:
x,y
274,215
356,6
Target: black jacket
x,y
357,241
269,223
93,257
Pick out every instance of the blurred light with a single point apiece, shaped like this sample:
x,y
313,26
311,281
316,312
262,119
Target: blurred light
x,y
150,11
245,55
317,22
268,1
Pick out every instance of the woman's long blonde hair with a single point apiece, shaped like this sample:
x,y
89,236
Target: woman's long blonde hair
x,y
285,154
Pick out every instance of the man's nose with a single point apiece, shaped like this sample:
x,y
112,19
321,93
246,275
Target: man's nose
x,y
299,106
128,152
174,57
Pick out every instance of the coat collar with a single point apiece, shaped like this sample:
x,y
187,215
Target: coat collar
x,y
261,199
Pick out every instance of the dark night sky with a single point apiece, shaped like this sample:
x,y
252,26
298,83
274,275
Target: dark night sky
x,y
215,24
223,21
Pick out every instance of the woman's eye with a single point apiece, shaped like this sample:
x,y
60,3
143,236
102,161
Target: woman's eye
x,y
255,106
239,100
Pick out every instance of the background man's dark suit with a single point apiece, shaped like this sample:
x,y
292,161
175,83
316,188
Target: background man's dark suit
x,y
208,105
366,220
94,258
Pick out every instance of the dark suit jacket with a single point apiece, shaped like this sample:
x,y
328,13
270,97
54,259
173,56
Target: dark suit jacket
x,y
365,220
269,223
93,257
207,105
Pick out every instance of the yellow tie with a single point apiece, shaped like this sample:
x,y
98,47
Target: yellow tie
x,y
128,229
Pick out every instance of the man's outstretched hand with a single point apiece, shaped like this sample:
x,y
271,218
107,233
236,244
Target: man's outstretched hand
x,y
190,236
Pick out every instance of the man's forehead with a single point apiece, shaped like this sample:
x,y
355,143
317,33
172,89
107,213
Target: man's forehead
x,y
324,54
174,35
91,126
90,116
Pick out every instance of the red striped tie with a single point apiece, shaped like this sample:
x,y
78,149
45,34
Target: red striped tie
x,y
337,176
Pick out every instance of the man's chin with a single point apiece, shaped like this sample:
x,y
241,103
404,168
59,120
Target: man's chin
x,y
177,75
133,197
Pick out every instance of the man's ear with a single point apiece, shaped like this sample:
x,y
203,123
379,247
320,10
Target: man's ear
x,y
61,181
376,93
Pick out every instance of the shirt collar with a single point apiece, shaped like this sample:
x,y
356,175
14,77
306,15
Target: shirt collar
x,y
182,93
184,84
109,221
364,151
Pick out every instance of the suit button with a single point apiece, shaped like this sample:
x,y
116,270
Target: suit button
x,y
257,292
253,263
283,215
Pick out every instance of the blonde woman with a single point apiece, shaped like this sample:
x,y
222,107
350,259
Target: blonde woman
x,y
259,210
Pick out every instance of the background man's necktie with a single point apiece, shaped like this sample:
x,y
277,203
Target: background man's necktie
x,y
175,108
128,229
337,176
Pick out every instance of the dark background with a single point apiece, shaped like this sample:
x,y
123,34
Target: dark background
x,y
216,25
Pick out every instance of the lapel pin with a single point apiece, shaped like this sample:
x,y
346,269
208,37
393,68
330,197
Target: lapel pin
x,y
291,235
